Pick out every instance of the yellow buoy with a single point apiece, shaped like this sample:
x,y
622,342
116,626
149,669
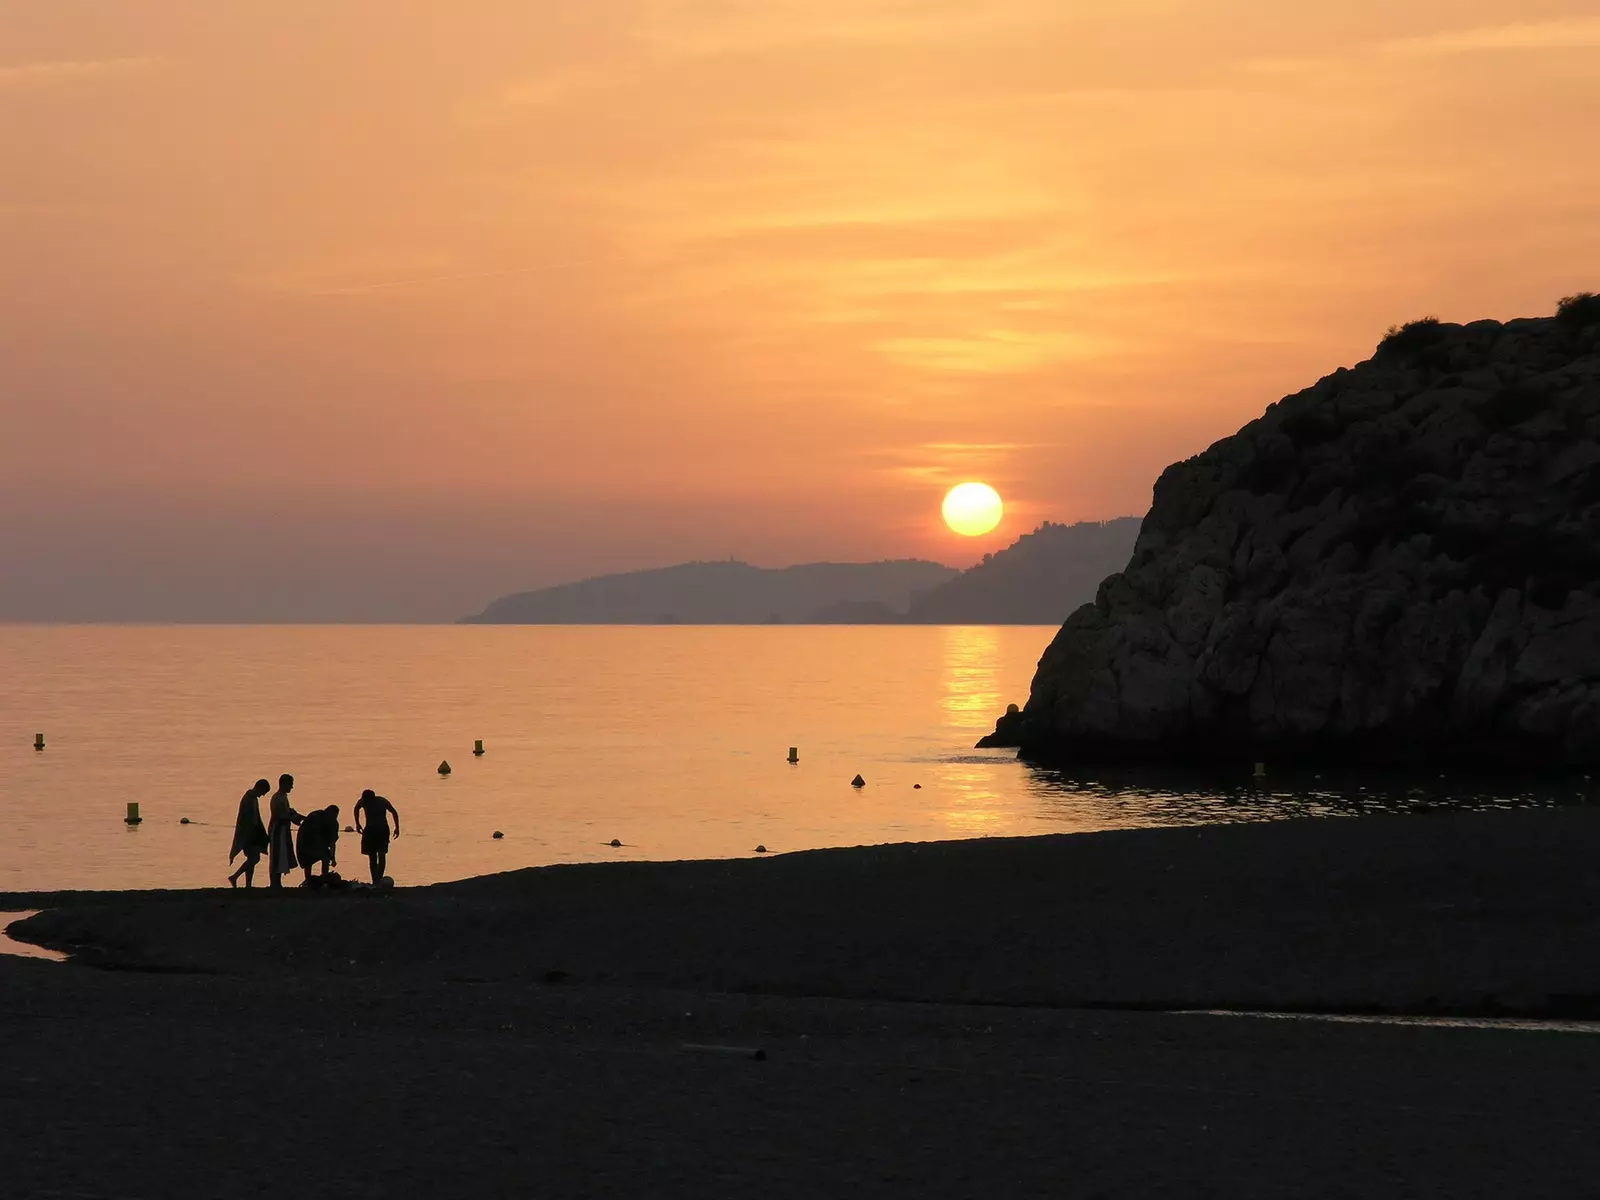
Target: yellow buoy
x,y
38,741
477,748
133,817
794,754
1261,770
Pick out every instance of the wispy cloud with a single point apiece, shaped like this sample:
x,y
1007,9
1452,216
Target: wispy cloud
x,y
19,76
698,28
1575,33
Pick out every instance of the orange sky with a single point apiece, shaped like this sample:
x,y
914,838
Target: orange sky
x,y
340,309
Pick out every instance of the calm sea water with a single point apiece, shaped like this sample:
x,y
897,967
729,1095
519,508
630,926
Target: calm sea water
x,y
672,739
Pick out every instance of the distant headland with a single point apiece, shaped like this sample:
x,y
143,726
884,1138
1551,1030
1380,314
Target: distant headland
x,y
1039,579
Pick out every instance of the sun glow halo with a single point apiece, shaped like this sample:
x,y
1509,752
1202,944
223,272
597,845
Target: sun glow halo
x,y
972,509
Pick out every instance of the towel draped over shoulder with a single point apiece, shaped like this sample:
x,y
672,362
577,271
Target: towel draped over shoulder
x,y
249,834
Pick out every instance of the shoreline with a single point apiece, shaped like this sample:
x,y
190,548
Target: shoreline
x,y
1476,914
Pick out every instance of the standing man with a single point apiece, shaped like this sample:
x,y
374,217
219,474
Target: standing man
x,y
280,832
376,811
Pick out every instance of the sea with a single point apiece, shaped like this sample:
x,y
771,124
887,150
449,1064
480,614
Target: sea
x,y
670,740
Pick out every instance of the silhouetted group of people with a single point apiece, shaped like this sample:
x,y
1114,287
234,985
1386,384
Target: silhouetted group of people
x,y
291,839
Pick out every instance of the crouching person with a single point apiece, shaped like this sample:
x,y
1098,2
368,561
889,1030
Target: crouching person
x,y
317,839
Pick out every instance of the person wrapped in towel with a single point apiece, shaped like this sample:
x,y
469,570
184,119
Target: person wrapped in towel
x,y
281,821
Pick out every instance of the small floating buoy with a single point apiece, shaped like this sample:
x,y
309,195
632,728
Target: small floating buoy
x,y
349,828
444,767
858,782
38,741
133,817
386,882
498,835
477,748
1261,770
916,787
794,754
185,821
616,842
761,849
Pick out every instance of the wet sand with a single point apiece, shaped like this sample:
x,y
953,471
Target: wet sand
x,y
939,1020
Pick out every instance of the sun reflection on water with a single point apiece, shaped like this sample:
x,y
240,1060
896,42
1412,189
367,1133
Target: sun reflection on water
x,y
970,657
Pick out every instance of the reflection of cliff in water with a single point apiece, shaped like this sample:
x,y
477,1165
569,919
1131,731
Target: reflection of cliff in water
x,y
1156,795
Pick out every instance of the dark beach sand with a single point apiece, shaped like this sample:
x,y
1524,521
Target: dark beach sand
x,y
955,1019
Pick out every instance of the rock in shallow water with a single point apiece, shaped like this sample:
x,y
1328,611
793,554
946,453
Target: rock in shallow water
x,y
1401,563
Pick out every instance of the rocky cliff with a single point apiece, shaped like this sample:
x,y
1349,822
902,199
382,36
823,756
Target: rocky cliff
x,y
1399,564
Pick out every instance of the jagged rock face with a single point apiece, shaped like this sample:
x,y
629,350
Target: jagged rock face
x,y
1401,563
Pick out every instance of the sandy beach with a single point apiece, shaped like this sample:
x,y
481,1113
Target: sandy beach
x,y
945,1019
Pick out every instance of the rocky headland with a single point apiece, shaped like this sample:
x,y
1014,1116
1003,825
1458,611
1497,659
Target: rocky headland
x,y
1037,580
1399,564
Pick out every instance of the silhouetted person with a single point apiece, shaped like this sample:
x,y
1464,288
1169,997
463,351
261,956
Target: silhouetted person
x,y
375,837
249,834
318,839
280,832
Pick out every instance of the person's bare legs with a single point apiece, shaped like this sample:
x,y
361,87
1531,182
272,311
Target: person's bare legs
x,y
247,869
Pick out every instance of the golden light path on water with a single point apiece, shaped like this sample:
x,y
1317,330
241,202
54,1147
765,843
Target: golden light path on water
x,y
971,697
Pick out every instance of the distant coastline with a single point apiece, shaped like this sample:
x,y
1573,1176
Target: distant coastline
x,y
1038,580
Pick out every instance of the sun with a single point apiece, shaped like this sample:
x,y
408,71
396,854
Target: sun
x,y
973,509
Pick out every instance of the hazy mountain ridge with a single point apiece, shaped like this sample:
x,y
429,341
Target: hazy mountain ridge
x,y
719,593
1037,580
1040,579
